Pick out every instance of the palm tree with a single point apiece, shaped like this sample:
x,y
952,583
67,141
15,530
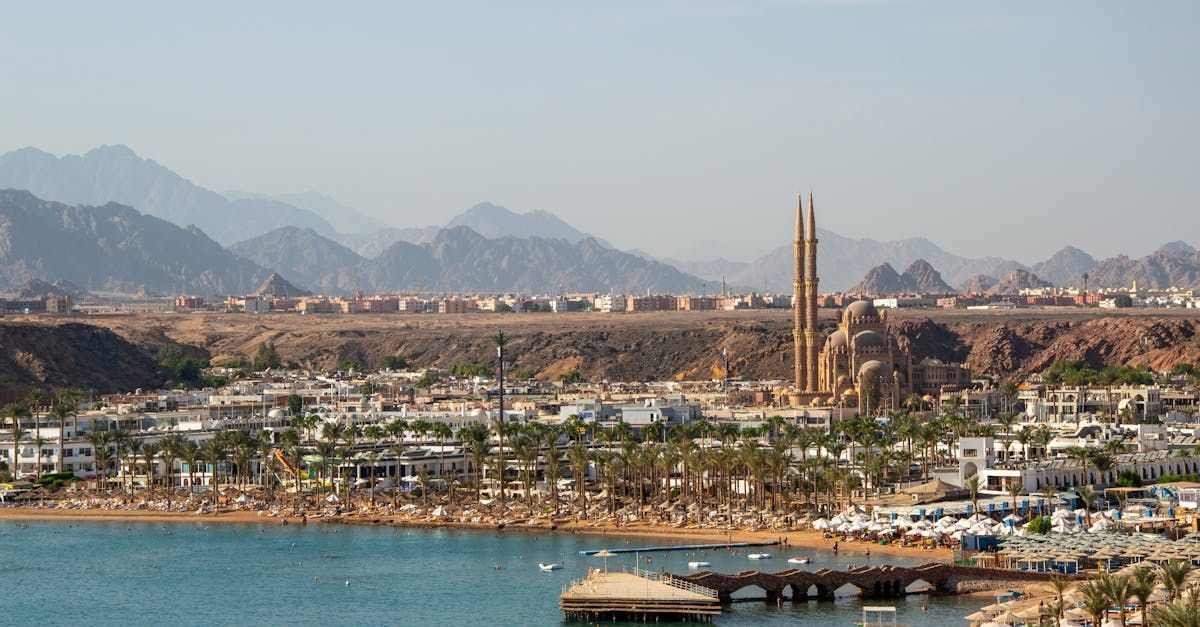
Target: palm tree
x,y
150,450
100,454
579,459
1050,493
1141,587
1118,589
38,442
172,448
59,413
1095,601
1060,585
1173,574
133,448
189,452
1103,462
1182,613
1082,457
501,340
15,412
213,452
442,432
1014,488
553,469
972,484
1006,420
1087,495
71,398
526,450
372,457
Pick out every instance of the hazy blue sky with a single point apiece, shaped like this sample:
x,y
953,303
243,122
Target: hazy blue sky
x,y
1007,128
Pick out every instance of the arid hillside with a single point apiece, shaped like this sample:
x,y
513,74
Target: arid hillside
x,y
71,355
653,346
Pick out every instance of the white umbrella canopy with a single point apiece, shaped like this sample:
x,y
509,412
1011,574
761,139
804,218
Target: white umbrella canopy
x,y
820,523
605,553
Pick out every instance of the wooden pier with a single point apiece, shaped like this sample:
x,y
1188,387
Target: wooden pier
x,y
685,547
638,596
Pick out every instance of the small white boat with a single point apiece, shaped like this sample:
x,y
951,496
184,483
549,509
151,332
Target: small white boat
x,y
759,556
699,564
550,567
798,560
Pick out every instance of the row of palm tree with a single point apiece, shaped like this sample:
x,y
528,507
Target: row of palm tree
x,y
38,404
1112,590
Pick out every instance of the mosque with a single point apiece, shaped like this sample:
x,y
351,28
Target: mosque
x,y
858,365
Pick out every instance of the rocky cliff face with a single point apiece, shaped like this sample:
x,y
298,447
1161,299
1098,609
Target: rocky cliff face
x,y
640,347
1065,267
1009,349
919,278
979,284
1016,281
1174,265
71,355
112,247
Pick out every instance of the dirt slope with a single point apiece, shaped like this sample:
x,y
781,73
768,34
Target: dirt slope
x,y
657,346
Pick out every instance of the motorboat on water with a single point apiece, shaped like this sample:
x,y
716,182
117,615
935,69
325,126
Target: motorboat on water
x,y
699,565
759,556
798,560
550,567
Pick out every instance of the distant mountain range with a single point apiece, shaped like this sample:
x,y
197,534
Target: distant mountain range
x,y
117,174
918,278
322,244
112,248
489,220
302,255
1015,281
843,262
345,220
458,259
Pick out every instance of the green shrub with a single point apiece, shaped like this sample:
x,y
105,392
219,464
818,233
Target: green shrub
x,y
1129,479
1040,524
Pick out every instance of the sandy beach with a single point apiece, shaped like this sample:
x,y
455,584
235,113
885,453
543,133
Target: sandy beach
x,y
795,539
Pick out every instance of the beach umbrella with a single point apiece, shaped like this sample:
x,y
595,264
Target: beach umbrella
x,y
605,553
978,617
1033,612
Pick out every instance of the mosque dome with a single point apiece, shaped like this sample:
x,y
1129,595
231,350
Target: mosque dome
x,y
869,339
874,368
859,310
837,339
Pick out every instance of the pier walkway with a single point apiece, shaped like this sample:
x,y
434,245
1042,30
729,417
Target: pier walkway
x,y
684,547
638,596
871,582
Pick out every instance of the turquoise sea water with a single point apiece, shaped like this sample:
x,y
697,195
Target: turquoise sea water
x,y
103,573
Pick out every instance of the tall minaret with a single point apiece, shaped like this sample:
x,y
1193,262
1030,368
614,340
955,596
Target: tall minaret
x,y
799,308
810,298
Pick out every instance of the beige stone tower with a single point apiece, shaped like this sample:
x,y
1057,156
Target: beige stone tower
x,y
799,306
810,299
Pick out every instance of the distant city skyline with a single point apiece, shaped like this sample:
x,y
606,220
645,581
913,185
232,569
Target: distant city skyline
x,y
685,130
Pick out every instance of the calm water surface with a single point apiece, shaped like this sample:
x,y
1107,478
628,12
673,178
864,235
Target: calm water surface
x,y
196,574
